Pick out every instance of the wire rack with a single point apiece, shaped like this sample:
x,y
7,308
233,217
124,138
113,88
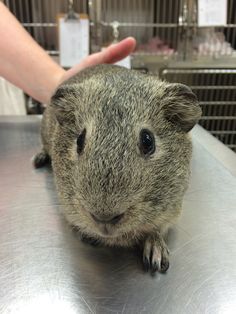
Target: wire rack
x,y
144,20
161,27
215,89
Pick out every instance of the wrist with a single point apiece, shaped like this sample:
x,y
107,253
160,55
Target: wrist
x,y
56,80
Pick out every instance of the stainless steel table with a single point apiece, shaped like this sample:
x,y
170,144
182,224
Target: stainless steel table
x,y
45,268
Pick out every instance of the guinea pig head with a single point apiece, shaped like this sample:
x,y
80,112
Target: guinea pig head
x,y
121,152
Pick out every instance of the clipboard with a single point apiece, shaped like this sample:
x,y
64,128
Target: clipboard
x,y
73,36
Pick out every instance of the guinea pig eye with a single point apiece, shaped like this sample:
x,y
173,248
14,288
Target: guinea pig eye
x,y
80,141
146,142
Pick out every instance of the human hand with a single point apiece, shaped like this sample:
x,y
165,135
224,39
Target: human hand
x,y
25,64
111,54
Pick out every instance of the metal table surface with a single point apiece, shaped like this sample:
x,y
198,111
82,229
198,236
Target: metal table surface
x,y
45,268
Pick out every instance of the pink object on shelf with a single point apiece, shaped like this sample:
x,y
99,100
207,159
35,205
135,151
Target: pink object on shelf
x,y
155,45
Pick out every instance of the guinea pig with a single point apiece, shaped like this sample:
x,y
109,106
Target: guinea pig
x,y
120,152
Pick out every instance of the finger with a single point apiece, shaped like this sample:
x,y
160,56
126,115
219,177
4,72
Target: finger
x,y
111,54
119,51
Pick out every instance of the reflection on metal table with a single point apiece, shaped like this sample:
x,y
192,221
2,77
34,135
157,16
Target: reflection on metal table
x,y
45,268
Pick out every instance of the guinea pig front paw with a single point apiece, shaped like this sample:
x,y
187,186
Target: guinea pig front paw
x,y
41,159
90,240
155,254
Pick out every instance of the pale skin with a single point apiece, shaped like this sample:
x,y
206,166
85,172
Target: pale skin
x,y
25,64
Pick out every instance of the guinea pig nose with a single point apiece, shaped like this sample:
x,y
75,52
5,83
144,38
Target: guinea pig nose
x,y
116,219
107,220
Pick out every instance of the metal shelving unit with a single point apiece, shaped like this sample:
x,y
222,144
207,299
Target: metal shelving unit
x,y
215,89
170,45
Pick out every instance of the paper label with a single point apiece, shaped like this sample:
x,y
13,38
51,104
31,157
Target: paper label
x,y
212,12
73,40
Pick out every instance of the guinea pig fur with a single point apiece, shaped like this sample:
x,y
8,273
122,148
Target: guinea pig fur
x,y
120,152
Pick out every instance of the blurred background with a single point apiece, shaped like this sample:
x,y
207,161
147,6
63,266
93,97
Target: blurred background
x,y
172,44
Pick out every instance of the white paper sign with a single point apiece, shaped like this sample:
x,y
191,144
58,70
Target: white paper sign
x,y
212,12
73,41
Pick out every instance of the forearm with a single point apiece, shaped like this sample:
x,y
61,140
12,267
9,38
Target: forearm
x,y
23,62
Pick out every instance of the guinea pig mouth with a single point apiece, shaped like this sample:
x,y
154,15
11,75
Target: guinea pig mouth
x,y
105,230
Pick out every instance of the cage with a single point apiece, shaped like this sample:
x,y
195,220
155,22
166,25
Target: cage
x,y
215,89
170,45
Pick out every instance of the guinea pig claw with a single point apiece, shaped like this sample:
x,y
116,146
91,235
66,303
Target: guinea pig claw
x,y
164,264
155,255
146,263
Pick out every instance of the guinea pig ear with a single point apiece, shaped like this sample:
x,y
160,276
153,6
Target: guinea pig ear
x,y
181,106
64,101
